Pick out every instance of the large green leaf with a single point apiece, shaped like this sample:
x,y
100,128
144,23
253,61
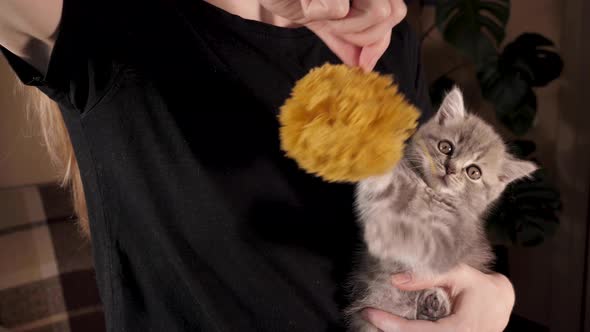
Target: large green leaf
x,y
521,118
507,82
513,99
505,89
533,57
476,27
526,214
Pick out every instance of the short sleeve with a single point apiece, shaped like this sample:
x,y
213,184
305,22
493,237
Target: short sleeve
x,y
94,43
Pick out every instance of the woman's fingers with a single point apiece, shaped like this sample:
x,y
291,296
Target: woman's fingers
x,y
459,277
363,15
369,36
387,322
371,54
358,35
367,24
408,282
322,10
307,11
348,53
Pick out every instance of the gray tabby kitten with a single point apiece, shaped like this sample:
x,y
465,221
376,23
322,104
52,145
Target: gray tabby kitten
x,y
425,216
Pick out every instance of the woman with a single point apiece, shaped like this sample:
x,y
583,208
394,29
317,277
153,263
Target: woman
x,y
198,221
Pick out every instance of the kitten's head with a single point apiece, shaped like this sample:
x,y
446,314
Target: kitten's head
x,y
459,154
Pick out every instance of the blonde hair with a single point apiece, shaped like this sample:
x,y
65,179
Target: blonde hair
x,y
61,152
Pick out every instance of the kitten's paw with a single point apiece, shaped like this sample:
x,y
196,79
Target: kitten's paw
x,y
433,304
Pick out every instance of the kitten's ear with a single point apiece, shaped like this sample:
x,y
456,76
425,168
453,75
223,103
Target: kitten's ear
x,y
452,107
514,169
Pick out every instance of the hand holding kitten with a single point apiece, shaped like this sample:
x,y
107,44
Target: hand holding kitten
x,y
482,302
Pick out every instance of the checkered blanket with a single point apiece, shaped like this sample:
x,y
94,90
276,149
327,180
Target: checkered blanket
x,y
47,280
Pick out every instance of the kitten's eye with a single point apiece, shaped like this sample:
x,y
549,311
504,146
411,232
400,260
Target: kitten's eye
x,y
474,172
445,147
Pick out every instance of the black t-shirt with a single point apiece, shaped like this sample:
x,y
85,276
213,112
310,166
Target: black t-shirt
x,y
199,222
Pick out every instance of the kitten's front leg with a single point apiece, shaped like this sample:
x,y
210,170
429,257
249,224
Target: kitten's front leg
x,y
391,237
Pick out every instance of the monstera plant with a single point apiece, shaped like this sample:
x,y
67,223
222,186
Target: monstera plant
x,y
476,28
528,211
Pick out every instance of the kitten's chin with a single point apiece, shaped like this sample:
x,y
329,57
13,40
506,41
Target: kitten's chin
x,y
445,190
440,184
433,182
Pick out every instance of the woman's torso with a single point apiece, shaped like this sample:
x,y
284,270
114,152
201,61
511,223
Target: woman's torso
x,y
199,221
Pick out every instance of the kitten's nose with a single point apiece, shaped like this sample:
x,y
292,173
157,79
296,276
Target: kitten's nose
x,y
451,169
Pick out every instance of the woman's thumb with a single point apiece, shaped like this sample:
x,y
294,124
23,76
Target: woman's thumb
x,y
321,10
409,282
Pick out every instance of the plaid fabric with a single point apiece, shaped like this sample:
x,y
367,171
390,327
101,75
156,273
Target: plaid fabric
x,y
47,279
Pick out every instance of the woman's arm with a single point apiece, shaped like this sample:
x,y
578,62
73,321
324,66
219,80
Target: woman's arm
x,y
28,28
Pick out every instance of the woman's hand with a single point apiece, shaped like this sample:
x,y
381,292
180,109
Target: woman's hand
x,y
357,31
481,302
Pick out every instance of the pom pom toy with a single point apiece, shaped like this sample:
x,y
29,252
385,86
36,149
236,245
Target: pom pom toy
x,y
345,125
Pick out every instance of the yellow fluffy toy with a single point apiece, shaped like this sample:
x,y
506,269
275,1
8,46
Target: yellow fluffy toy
x,y
345,125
